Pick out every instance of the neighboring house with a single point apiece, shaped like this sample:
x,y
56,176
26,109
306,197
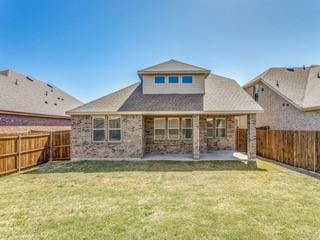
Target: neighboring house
x,y
27,104
175,108
290,98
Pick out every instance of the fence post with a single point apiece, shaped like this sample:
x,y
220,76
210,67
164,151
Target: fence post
x,y
51,143
19,153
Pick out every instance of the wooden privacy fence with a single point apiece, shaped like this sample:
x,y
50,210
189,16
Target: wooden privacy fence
x,y
24,151
295,148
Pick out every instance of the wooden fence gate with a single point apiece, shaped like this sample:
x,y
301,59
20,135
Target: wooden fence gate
x,y
24,151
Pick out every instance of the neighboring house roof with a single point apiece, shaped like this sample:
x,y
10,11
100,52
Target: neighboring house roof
x,y
299,86
222,95
173,66
20,94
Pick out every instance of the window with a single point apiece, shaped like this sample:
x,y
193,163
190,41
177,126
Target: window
x,y
114,129
173,128
220,127
256,90
173,79
187,79
210,127
159,80
159,128
187,128
98,131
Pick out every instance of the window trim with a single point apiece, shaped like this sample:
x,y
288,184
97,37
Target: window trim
x,y
213,127
154,79
112,117
173,76
93,128
216,128
154,129
187,76
168,127
182,128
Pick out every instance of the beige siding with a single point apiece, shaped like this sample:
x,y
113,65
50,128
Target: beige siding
x,y
279,114
197,85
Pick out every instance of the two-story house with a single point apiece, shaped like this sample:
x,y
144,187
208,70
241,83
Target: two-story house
x,y
175,108
290,98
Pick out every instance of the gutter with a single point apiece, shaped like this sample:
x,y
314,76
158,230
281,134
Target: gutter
x,y
34,115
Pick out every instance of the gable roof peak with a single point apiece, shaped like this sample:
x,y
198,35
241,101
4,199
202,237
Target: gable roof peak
x,y
173,66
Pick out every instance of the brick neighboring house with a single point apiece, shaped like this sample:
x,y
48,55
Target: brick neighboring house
x,y
175,108
290,98
27,104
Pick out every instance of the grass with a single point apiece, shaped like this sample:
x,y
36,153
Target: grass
x,y
159,200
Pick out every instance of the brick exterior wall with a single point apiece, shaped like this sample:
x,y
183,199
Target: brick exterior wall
x,y
131,145
279,114
251,137
10,123
186,146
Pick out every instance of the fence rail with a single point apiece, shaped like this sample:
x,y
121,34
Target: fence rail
x,y
295,148
19,152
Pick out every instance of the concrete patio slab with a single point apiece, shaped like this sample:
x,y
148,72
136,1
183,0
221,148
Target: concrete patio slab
x,y
223,155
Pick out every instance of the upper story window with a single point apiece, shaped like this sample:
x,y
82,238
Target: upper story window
x,y
186,79
173,79
256,91
159,79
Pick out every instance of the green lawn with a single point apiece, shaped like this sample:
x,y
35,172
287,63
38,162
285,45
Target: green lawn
x,y
159,200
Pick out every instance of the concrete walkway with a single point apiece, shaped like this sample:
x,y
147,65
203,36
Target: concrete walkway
x,y
223,155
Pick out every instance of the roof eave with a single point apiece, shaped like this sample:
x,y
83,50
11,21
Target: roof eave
x,y
34,114
226,112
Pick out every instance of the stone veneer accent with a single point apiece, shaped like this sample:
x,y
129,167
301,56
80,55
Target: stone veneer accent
x,y
131,145
279,114
251,137
196,137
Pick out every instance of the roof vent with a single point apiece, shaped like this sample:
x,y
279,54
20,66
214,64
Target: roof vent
x,y
55,104
277,83
58,98
16,82
50,86
29,78
62,99
318,75
46,93
304,67
46,102
290,69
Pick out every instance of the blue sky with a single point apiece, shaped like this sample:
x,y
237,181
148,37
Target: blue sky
x,y
90,48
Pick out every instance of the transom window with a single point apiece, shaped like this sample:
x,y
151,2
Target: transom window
x,y
159,128
187,128
173,79
220,127
159,79
186,79
114,128
210,127
98,133
173,128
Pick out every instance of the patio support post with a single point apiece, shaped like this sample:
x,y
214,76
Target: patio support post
x,y
196,137
251,137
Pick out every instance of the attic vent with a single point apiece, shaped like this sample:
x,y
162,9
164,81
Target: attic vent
x,y
46,102
16,82
29,78
290,69
277,83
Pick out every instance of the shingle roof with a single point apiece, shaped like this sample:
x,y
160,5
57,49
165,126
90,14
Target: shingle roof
x,y
173,66
21,94
300,86
221,95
